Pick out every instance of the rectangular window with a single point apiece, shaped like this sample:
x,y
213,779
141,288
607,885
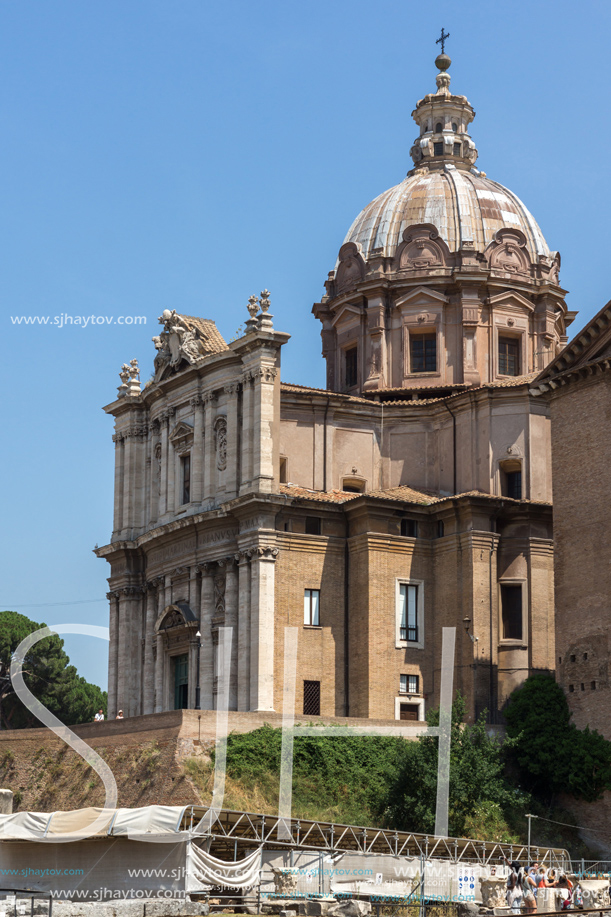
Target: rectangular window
x,y
513,484
438,149
408,598
311,607
509,357
409,528
457,149
283,477
423,353
440,529
408,684
351,367
311,698
185,477
312,525
511,610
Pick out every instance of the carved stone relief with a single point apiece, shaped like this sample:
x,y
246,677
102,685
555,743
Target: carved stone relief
x,y
220,432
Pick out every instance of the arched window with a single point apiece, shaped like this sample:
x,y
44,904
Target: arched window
x,y
454,126
438,127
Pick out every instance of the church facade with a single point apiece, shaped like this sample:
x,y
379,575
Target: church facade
x,y
413,493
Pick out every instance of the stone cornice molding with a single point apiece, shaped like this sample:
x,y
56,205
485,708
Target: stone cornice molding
x,y
587,371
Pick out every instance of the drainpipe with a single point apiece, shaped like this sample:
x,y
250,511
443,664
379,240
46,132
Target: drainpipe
x,y
324,448
492,711
346,625
453,416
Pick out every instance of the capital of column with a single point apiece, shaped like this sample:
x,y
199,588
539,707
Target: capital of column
x,y
131,591
114,594
207,568
265,552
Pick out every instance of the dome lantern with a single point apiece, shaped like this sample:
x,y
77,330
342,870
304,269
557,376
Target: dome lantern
x,y
443,120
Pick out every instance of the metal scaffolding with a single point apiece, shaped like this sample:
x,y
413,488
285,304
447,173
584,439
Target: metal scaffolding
x,y
233,828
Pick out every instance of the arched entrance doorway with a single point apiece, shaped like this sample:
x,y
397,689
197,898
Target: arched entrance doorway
x,y
177,662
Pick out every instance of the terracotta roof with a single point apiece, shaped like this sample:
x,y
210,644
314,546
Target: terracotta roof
x,y
369,397
208,335
401,494
321,496
304,389
405,494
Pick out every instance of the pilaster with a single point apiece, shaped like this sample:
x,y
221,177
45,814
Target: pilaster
x,y
206,655
113,651
197,453
262,628
243,635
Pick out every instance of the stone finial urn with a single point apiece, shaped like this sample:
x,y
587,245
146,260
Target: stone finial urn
x,y
493,891
285,880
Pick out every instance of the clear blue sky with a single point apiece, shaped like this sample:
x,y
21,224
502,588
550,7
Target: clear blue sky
x,y
185,154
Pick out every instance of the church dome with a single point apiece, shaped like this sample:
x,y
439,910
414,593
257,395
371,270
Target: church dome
x,y
462,205
444,189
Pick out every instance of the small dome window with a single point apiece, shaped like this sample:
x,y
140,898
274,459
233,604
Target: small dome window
x,y
438,127
454,126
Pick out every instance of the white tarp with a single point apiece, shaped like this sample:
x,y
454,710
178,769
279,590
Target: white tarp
x,y
136,823
207,870
23,825
148,820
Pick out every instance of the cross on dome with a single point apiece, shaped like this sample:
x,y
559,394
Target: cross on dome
x,y
442,39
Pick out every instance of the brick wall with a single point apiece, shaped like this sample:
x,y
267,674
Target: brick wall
x,y
581,449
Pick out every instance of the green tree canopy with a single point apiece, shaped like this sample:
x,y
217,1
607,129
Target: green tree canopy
x,y
477,784
552,755
47,673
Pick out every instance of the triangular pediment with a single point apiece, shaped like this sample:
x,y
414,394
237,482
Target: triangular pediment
x,y
511,299
346,311
420,295
181,430
591,345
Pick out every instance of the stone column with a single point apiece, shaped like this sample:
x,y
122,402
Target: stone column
x,y
123,655
159,658
163,482
232,475
159,665
263,423
173,473
197,452
246,444
113,652
206,655
128,477
119,466
131,638
149,636
231,620
243,641
262,628
155,473
209,448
